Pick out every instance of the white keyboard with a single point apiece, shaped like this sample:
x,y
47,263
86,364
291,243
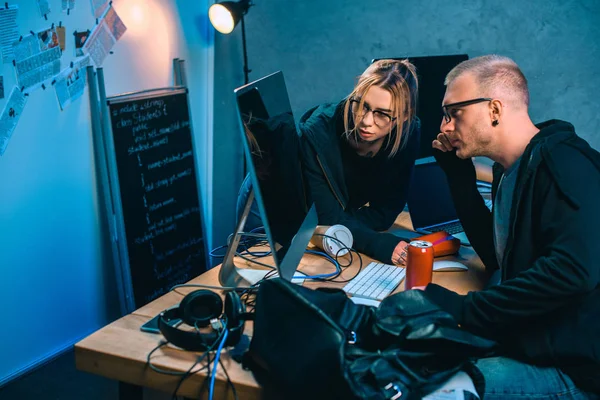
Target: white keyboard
x,y
376,281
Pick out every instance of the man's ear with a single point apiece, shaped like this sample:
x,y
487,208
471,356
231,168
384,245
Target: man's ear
x,y
496,110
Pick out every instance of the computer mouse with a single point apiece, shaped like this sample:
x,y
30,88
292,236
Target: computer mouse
x,y
447,265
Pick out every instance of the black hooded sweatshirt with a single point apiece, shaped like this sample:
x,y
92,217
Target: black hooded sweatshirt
x,y
385,187
546,310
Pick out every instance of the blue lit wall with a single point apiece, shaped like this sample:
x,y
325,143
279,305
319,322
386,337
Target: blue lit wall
x,y
57,282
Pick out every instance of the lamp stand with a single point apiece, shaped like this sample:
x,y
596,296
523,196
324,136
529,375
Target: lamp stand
x,y
246,70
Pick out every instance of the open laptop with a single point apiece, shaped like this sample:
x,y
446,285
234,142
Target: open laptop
x,y
430,202
271,148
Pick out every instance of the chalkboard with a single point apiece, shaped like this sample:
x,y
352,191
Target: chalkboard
x,y
158,194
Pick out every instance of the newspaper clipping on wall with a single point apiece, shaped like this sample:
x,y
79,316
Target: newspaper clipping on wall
x,y
98,7
44,7
9,32
37,58
10,116
68,5
70,83
104,36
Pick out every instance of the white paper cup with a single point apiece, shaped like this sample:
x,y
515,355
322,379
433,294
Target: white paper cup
x,y
332,246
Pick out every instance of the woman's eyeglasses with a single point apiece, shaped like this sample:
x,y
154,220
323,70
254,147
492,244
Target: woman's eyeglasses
x,y
380,118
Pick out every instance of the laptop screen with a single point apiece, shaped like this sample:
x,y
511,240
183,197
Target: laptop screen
x,y
429,199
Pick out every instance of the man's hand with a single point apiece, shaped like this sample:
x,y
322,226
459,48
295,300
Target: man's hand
x,y
418,287
453,166
442,143
399,254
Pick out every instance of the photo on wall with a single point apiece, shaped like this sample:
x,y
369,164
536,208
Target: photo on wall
x,y
80,38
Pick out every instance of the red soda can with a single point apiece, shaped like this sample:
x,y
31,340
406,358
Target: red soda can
x,y
419,263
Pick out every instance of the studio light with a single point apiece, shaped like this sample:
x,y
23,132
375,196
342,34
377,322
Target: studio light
x,y
224,16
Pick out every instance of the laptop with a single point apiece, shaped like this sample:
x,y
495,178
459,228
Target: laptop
x,y
430,202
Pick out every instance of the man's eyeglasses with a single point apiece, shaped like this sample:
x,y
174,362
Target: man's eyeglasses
x,y
449,107
380,118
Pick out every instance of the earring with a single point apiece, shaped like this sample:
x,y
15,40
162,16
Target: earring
x,y
495,122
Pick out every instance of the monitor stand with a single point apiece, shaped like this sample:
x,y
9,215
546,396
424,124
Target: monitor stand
x,y
230,275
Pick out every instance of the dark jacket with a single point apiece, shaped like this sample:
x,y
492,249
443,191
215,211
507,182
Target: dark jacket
x,y
320,131
546,310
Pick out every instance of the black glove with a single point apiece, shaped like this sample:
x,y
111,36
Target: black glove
x,y
454,167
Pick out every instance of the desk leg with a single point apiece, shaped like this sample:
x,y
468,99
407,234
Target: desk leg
x,y
127,391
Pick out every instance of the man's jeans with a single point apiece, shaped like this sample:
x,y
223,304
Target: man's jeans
x,y
506,378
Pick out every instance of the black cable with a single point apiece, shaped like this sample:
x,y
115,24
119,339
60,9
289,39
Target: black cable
x,y
207,379
183,378
360,265
229,381
337,258
189,372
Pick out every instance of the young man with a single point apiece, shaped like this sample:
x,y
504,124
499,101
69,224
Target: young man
x,y
542,234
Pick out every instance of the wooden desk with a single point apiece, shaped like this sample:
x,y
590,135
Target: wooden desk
x,y
119,350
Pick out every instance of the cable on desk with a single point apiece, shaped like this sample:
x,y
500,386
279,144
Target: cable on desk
x,y
360,265
350,250
338,269
229,381
249,296
243,242
184,377
213,376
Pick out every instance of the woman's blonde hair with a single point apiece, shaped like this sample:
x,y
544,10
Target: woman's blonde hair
x,y
399,78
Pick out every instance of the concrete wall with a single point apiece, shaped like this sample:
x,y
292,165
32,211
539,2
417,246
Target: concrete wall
x,y
323,45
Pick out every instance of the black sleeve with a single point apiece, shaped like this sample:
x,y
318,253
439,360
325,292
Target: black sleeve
x,y
379,246
567,269
475,217
390,201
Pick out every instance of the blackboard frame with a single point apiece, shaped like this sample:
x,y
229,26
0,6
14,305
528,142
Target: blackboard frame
x,y
129,274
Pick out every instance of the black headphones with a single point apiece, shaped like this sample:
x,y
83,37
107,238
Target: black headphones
x,y
197,309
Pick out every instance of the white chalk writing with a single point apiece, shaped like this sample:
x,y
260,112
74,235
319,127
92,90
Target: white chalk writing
x,y
169,159
156,206
166,182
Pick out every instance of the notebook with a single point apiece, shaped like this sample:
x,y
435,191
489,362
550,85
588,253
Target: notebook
x,y
430,202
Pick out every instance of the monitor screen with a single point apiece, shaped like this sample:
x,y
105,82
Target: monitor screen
x,y
273,158
429,199
431,72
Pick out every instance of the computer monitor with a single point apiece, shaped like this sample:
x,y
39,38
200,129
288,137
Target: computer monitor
x,y
431,72
272,150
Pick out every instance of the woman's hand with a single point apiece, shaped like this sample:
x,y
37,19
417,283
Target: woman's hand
x,y
399,254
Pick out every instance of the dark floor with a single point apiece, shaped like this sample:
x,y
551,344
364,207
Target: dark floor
x,y
59,380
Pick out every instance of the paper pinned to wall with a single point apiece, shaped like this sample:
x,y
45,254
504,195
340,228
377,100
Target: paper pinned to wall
x,y
80,39
44,7
98,7
69,84
104,36
62,34
68,5
9,32
10,116
37,58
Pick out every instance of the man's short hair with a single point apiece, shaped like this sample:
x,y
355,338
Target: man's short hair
x,y
495,74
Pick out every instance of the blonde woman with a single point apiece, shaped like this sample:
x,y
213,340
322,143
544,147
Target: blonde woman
x,y
358,156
